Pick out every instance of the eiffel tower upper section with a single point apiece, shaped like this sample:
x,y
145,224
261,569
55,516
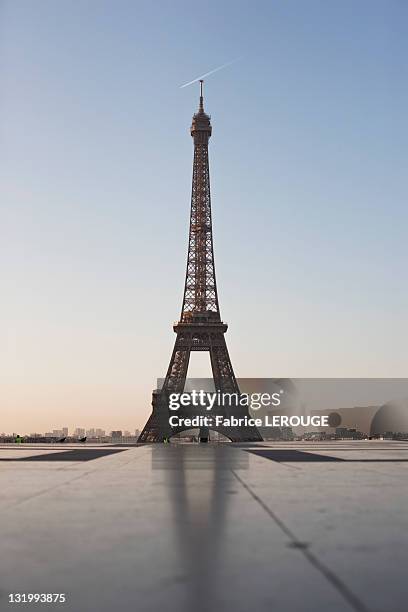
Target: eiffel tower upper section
x,y
200,301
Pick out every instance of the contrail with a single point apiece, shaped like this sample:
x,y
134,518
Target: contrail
x,y
208,73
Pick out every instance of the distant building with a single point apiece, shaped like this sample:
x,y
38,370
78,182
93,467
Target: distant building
x,y
79,432
400,435
277,433
116,435
342,433
287,433
95,432
392,417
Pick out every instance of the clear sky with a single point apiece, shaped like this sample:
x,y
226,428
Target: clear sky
x,y
308,168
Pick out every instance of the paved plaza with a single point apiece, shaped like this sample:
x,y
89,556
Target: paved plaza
x,y
284,527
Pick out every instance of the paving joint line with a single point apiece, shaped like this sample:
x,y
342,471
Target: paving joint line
x,y
330,576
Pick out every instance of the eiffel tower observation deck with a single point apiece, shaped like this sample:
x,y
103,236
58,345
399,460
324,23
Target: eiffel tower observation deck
x,y
200,327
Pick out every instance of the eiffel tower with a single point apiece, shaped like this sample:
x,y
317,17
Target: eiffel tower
x,y
200,327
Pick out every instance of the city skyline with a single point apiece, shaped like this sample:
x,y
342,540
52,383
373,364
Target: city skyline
x,y
308,193
76,432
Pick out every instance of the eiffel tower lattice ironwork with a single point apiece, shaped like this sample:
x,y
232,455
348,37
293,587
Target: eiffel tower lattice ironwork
x,y
200,327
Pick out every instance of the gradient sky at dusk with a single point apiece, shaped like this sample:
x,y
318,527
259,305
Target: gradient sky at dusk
x,y
308,169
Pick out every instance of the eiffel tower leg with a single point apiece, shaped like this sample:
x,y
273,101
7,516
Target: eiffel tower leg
x,y
177,372
223,373
157,427
225,381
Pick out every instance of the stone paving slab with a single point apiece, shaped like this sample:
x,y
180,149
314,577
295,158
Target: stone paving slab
x,y
209,527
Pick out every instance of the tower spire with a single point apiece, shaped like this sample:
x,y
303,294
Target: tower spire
x,y
201,95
